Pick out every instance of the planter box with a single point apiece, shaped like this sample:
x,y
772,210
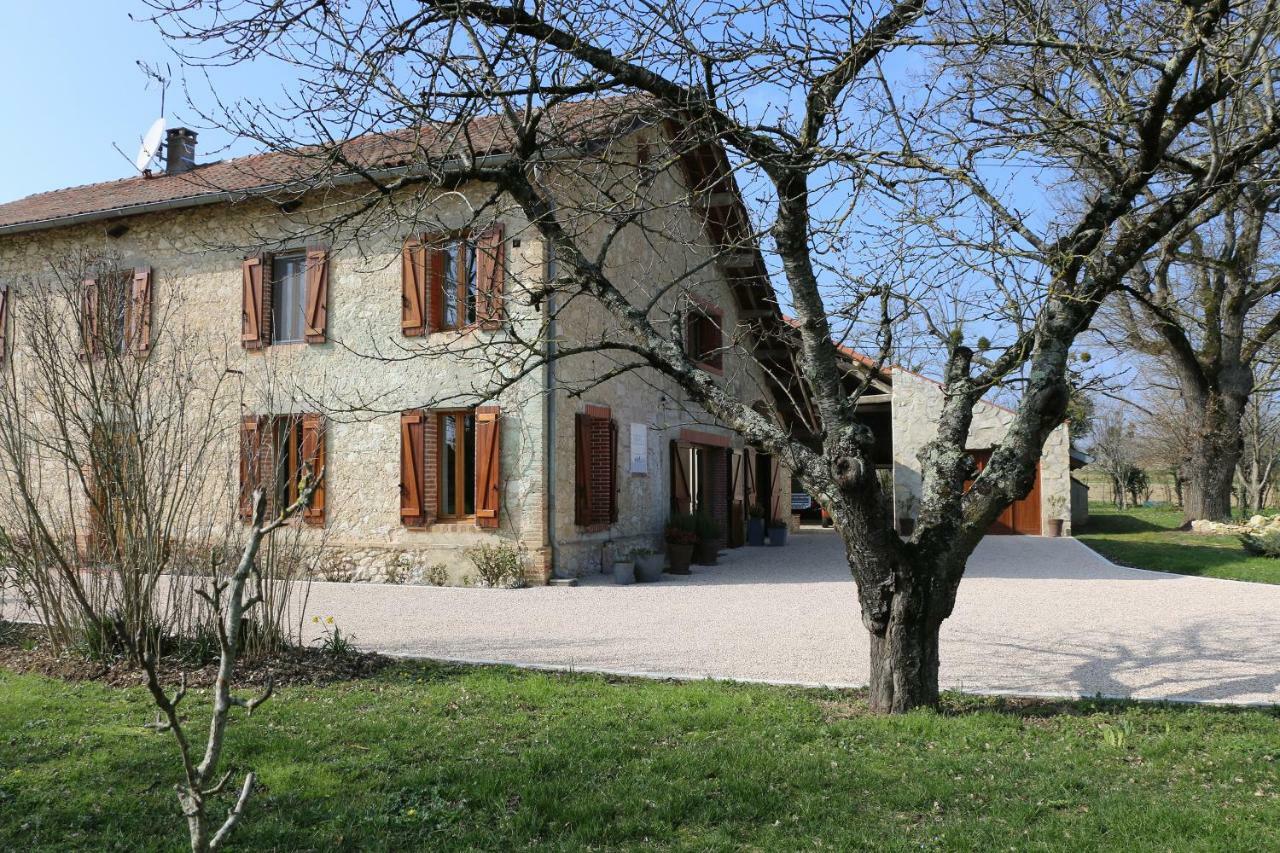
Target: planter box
x,y
777,536
624,572
755,531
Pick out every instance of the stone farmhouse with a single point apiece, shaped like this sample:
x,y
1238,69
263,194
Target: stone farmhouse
x,y
371,356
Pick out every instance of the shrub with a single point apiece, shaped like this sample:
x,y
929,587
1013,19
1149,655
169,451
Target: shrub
x,y
332,642
1262,543
499,566
437,574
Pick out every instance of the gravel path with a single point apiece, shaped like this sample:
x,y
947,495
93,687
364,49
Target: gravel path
x,y
1034,616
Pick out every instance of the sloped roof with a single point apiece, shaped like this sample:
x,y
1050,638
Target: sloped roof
x,y
572,122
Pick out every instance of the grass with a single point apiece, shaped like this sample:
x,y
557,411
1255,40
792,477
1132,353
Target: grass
x,y
1148,538
451,758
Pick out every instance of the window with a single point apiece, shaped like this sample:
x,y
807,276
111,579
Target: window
x,y
704,338
288,299
457,431
458,285
595,503
275,453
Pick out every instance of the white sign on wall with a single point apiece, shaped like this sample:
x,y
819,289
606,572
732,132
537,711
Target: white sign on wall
x,y
639,449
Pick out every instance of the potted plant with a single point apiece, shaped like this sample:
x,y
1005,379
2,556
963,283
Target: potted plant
x,y
681,535
707,549
755,525
648,564
777,533
1057,515
624,570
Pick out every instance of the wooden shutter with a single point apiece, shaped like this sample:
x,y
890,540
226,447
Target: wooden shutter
x,y
250,454
138,329
313,435
317,296
681,495
749,470
412,469
488,466
4,323
255,303
490,276
90,315
413,289
435,264
613,471
582,469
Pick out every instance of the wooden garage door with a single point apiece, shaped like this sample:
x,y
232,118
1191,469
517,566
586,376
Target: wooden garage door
x,y
1021,516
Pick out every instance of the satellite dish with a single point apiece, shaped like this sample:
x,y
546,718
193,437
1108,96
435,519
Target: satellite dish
x,y
150,145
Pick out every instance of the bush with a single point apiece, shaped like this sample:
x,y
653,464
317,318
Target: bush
x,y
499,566
1262,543
437,574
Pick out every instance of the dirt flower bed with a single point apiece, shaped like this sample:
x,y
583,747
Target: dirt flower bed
x,y
25,648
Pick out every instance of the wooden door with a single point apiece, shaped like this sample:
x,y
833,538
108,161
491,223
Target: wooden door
x,y
1021,516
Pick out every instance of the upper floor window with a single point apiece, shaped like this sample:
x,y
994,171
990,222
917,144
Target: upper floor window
x,y
288,298
704,336
459,286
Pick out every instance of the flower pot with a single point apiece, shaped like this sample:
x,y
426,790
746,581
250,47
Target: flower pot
x,y
624,572
906,526
649,567
1055,527
755,531
777,536
680,556
706,552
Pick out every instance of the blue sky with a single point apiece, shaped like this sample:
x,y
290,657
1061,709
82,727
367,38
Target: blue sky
x,y
73,90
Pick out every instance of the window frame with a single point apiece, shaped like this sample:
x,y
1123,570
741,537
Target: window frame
x,y
457,513
704,316
298,256
463,245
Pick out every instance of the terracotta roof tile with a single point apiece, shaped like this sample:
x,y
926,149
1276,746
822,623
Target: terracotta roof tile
x,y
573,122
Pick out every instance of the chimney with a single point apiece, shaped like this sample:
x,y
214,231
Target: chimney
x,y
179,150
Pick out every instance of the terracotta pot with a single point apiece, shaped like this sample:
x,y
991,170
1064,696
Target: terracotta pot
x,y
1055,528
706,553
649,568
680,557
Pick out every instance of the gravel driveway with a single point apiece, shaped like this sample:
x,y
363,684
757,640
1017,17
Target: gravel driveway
x,y
1034,616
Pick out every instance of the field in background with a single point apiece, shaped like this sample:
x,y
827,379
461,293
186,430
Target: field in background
x,y
1148,538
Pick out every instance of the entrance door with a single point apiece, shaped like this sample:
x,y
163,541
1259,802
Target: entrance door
x,y
1022,516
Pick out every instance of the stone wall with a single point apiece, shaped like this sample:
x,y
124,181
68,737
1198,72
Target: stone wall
x,y
917,402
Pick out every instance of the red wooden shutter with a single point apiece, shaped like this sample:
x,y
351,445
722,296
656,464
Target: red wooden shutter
x,y
250,445
413,289
435,263
254,304
488,466
139,326
89,319
582,469
313,435
412,490
4,323
613,471
317,296
490,276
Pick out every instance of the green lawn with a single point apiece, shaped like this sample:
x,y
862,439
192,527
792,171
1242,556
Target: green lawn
x,y
451,758
1148,538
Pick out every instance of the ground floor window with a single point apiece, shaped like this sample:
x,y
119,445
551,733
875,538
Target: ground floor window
x,y
457,464
276,453
450,466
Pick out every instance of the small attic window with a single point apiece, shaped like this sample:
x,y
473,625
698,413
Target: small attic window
x,y
704,336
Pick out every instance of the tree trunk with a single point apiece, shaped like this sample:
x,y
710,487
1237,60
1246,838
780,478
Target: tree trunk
x,y
904,656
1216,444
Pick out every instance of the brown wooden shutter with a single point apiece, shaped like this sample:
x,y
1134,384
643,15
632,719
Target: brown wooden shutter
x,y
613,471
317,296
139,325
313,455
250,454
412,488
681,495
90,315
255,303
749,470
413,289
582,469
4,323
490,276
435,262
488,466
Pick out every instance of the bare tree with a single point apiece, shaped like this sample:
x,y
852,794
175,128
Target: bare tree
x,y
878,197
1260,461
